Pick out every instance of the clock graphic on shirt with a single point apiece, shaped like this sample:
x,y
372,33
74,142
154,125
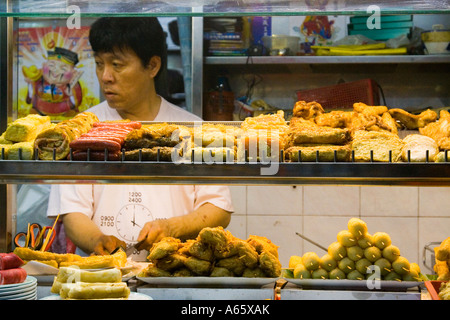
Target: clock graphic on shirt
x,y
130,220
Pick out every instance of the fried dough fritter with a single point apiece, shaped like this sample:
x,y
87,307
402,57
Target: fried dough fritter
x,y
217,237
200,250
439,130
307,110
198,266
369,110
412,121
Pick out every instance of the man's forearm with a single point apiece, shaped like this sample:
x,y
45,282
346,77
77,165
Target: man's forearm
x,y
208,215
83,232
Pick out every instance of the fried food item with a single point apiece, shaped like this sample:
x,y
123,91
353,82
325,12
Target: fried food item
x,y
26,128
369,110
153,271
154,154
325,152
165,247
211,135
171,262
30,255
198,266
307,132
441,267
221,272
247,253
263,244
270,264
183,272
21,151
416,147
439,131
200,250
253,273
59,137
413,121
380,142
386,122
216,237
156,135
234,264
333,119
230,249
117,259
307,110
85,290
68,274
443,251
210,155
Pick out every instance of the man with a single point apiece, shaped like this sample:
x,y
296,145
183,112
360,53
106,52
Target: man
x,y
129,54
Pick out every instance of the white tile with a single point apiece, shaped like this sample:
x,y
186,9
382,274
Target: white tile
x,y
238,226
331,200
434,201
239,198
280,230
270,200
389,201
322,230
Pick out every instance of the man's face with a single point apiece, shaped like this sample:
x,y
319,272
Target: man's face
x,y
123,80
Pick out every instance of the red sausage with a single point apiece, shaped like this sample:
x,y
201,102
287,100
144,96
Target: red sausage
x,y
11,276
95,144
95,156
9,261
132,124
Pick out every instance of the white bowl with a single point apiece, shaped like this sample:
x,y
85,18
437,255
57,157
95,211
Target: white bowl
x,y
442,47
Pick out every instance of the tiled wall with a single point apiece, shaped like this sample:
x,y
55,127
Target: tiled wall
x,y
412,216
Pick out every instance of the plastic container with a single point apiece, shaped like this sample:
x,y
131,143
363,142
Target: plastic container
x,y
437,41
281,45
342,96
433,288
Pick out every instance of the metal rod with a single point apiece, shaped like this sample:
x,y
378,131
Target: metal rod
x,y
313,242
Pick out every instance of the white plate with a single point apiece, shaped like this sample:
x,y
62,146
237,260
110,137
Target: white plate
x,y
216,282
29,282
346,284
132,296
22,296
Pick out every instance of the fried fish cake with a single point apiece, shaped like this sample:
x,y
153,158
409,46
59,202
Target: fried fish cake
x,y
263,244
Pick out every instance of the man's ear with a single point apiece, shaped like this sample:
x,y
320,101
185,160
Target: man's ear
x,y
154,65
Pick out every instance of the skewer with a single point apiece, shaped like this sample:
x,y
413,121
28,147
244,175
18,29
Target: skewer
x,y
313,242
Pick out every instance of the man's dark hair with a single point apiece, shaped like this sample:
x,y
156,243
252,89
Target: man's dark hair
x,y
143,35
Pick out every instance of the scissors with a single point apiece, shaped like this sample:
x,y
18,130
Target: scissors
x,y
35,237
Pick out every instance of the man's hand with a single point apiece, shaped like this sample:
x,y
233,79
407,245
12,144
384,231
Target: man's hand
x,y
106,244
152,232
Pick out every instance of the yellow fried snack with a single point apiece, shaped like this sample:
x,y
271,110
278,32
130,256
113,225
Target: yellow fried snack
x,y
21,151
69,275
270,264
263,244
166,246
378,143
26,128
84,290
117,259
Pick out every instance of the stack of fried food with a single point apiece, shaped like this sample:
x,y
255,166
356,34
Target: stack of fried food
x,y
17,142
215,142
440,132
57,260
263,136
308,141
78,284
215,253
158,141
372,133
54,142
442,260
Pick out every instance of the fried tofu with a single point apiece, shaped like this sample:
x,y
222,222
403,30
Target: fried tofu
x,y
382,145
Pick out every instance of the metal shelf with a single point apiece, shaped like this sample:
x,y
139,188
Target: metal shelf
x,y
350,173
61,8
264,60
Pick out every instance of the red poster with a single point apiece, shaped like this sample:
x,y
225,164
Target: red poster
x,y
56,72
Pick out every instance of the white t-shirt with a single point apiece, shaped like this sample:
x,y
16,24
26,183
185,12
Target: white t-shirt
x,y
122,210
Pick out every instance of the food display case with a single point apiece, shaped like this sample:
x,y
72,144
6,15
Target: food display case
x,y
350,173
